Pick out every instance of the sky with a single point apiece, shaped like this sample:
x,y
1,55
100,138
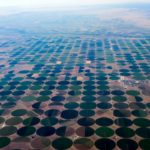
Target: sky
x,y
62,3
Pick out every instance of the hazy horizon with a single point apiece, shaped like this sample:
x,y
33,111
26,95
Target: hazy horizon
x,y
62,3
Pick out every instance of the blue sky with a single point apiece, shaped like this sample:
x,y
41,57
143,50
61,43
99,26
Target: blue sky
x,y
60,3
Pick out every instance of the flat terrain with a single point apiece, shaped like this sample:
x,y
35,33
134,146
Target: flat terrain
x,y
75,79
